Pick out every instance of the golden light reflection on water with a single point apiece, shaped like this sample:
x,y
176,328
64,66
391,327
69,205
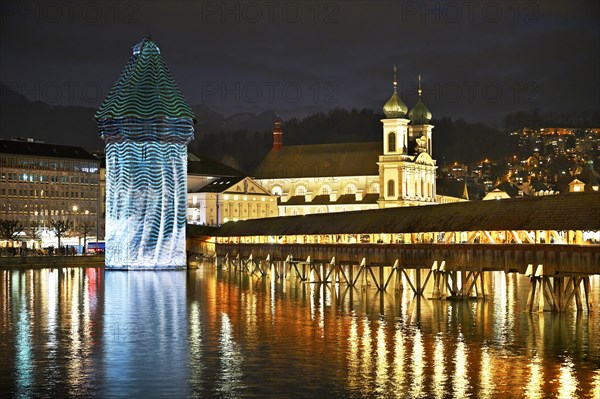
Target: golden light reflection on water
x,y
533,389
439,368
418,365
487,374
568,384
399,362
249,333
366,355
460,381
595,391
381,376
353,361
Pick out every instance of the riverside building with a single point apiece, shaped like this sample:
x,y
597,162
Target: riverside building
x,y
42,182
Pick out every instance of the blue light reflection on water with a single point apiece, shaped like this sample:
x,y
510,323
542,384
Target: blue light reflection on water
x,y
85,332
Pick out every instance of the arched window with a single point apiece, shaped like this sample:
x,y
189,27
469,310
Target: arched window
x,y
300,190
350,189
374,189
392,142
325,189
295,212
391,188
276,190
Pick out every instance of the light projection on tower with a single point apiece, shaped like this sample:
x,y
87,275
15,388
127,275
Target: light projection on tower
x,y
146,125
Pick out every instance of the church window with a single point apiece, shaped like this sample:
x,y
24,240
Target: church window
x,y
392,142
391,188
350,189
374,189
326,189
300,190
277,191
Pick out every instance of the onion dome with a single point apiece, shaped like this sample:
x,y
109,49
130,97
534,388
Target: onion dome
x,y
394,107
419,115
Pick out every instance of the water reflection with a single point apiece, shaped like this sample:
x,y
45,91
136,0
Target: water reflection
x,y
85,332
439,368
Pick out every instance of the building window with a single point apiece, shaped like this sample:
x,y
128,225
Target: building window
x,y
326,189
277,191
294,212
300,190
392,142
350,189
374,189
391,188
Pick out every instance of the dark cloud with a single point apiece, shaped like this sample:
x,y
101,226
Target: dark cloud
x,y
254,56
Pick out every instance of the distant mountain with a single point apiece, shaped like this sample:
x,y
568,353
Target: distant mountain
x,y
58,124
245,138
75,125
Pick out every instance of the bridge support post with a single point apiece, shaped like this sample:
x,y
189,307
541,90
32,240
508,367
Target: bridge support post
x,y
557,291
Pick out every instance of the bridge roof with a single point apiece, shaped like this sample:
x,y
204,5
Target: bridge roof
x,y
577,211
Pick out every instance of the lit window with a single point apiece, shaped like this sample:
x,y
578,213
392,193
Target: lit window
x,y
300,190
351,188
277,191
326,189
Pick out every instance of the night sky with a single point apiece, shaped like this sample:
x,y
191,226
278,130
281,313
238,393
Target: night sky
x,y
479,59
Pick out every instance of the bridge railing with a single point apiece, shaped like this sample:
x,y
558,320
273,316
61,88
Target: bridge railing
x,y
555,258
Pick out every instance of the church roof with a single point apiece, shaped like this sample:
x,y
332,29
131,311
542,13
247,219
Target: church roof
x,y
419,115
145,89
395,107
321,160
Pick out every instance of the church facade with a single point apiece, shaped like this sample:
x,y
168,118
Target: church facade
x,y
397,171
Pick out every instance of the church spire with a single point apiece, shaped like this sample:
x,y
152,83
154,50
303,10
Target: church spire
x,y
419,115
394,107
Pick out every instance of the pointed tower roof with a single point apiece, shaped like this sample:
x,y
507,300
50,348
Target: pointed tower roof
x,y
419,115
394,107
145,89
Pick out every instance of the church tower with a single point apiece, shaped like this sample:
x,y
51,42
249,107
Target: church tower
x,y
419,121
406,169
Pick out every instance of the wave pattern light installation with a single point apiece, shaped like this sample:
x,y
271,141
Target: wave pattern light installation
x,y
146,124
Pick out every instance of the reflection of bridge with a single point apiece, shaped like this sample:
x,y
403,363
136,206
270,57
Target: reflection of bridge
x,y
554,240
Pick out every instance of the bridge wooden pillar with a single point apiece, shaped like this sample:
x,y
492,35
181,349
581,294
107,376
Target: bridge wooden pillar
x,y
557,291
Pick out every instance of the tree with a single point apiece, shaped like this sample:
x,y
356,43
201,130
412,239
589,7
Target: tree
x,y
85,228
60,228
34,230
10,229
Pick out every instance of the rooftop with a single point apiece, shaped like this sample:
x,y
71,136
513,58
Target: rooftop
x,y
578,211
321,160
32,148
145,89
204,166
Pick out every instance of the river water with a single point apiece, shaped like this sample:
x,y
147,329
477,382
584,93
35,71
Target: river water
x,y
81,332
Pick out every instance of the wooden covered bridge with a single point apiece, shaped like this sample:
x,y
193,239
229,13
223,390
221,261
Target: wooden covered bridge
x,y
552,239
